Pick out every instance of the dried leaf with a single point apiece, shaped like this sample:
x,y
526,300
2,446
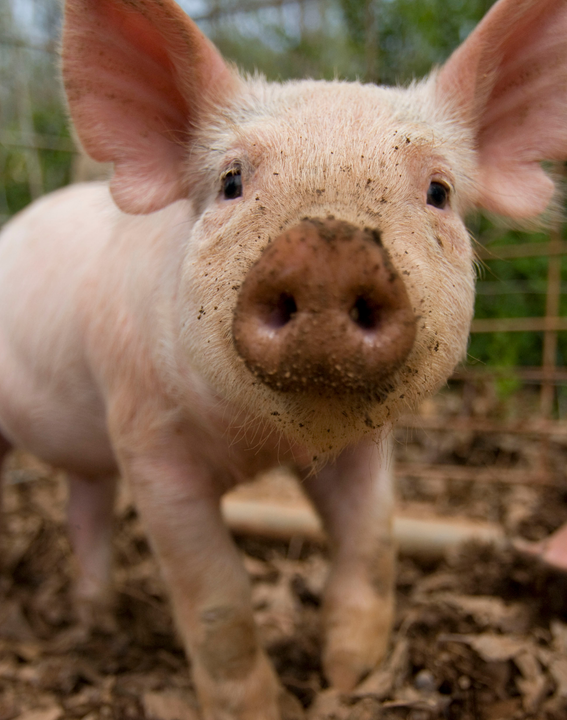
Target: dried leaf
x,y
51,713
533,685
491,647
365,709
13,624
409,697
490,612
170,705
558,671
329,705
392,673
559,632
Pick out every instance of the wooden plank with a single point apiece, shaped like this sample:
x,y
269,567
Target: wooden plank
x,y
550,339
541,324
525,374
465,473
431,537
542,428
36,141
509,252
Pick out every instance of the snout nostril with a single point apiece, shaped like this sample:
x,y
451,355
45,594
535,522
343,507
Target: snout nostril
x,y
365,314
323,314
281,311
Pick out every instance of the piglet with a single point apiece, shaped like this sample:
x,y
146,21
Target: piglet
x,y
275,273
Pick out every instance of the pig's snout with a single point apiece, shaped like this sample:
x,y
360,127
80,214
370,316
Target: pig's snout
x,y
323,310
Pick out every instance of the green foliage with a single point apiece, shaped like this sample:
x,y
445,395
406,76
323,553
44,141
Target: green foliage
x,y
30,100
412,36
288,56
55,166
514,288
406,37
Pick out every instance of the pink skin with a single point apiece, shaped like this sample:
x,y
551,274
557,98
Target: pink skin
x,y
89,513
516,61
552,550
116,331
359,600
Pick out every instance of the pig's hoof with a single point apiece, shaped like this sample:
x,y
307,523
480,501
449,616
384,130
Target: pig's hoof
x,y
345,669
256,695
327,705
357,643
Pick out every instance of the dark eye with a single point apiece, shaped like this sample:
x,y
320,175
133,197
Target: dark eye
x,y
232,184
437,195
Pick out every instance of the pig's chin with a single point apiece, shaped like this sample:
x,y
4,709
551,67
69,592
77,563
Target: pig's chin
x,y
325,425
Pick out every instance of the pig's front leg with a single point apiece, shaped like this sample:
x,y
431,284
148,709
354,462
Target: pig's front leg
x,y
354,496
90,520
208,584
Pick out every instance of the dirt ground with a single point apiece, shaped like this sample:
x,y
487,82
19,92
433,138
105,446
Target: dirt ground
x,y
480,635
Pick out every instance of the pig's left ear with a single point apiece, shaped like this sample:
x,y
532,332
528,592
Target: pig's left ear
x,y
508,82
139,77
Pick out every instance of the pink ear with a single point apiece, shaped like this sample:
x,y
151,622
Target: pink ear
x,y
139,76
508,82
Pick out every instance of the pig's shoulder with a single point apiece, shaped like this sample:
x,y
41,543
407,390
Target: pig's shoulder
x,y
80,205
78,201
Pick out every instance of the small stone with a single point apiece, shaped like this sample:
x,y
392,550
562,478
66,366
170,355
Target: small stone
x,y
425,681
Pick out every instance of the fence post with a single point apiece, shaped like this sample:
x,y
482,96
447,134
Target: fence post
x,y
552,300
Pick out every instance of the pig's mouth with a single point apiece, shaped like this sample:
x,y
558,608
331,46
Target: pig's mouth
x,y
324,313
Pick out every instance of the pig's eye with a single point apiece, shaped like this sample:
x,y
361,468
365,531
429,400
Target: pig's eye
x,y
437,195
232,184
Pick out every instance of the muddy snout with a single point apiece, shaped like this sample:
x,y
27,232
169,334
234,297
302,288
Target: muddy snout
x,y
323,310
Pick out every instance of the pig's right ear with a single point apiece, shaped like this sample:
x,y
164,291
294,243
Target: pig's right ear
x,y
508,83
139,77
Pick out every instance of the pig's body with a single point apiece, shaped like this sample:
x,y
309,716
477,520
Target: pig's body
x,y
300,275
79,260
51,396
110,294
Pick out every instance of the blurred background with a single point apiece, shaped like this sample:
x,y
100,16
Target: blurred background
x,y
514,382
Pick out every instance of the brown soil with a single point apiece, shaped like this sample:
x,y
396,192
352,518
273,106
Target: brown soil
x,y
481,635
